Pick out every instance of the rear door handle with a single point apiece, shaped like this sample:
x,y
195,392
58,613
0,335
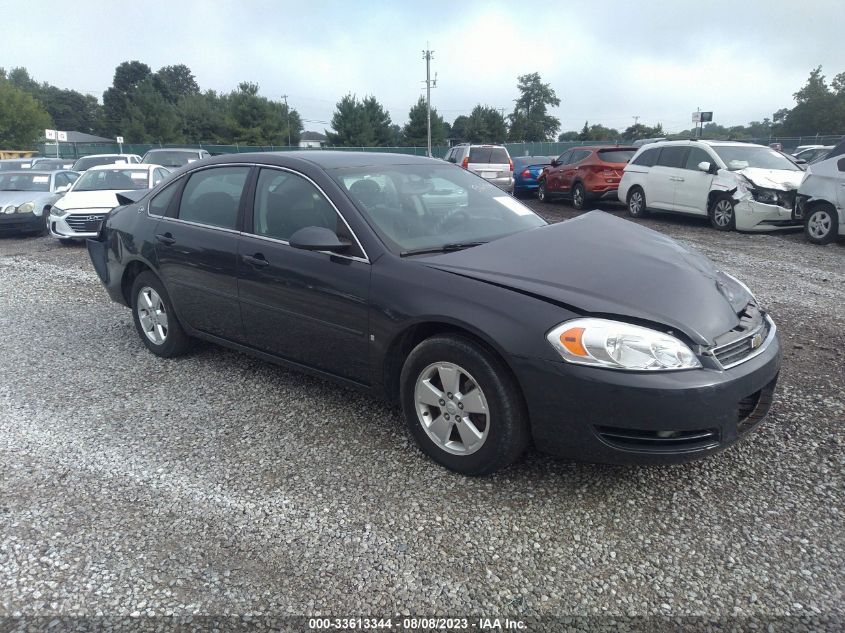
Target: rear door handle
x,y
166,238
256,260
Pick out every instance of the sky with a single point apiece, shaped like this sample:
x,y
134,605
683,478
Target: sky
x,y
607,61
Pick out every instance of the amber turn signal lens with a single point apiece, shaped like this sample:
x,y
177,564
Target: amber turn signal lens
x,y
571,340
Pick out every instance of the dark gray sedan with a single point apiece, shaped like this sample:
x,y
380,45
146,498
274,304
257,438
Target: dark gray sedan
x,y
26,197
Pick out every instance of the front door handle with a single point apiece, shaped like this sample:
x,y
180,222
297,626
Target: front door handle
x,y
166,238
256,260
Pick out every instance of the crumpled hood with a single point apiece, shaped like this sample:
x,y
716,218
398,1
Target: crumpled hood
x,y
603,265
19,197
780,179
88,200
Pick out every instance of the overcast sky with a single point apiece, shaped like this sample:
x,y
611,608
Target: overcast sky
x,y
608,61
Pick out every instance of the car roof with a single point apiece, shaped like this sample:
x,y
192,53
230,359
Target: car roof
x,y
596,148
326,159
104,155
703,141
175,149
125,166
26,172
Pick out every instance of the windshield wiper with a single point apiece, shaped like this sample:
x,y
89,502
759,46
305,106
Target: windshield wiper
x,y
446,248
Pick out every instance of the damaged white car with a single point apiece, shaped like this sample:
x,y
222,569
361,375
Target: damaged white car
x,y
821,198
737,185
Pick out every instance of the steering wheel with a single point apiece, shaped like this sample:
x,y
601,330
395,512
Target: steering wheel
x,y
456,218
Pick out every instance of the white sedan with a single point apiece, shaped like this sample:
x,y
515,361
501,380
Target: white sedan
x,y
78,214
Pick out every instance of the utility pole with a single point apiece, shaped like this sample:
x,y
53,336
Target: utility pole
x,y
636,119
287,111
429,84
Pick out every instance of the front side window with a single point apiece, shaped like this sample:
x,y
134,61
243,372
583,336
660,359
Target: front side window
x,y
417,207
563,159
696,156
212,197
286,202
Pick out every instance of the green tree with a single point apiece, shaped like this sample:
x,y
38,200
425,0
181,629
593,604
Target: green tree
x,y
256,120
459,128
150,117
117,98
351,126
530,120
379,121
416,130
175,82
22,118
597,132
639,130
572,135
819,109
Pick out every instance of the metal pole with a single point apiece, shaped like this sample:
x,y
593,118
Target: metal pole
x,y
427,54
287,111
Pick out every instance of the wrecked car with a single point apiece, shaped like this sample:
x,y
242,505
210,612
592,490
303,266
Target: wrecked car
x,y
821,198
738,186
489,327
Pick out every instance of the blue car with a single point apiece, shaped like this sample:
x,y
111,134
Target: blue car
x,y
526,171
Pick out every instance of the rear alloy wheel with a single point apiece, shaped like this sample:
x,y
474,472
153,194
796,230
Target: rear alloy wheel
x,y
820,224
722,216
462,406
579,197
154,318
636,203
542,196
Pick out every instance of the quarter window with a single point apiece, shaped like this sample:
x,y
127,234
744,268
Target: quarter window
x,y
648,158
159,204
672,156
286,202
212,196
696,156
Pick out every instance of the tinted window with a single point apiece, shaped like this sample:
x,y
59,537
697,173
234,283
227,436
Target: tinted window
x,y
616,155
672,156
160,203
697,155
212,196
578,155
286,202
495,155
648,158
452,155
564,158
840,164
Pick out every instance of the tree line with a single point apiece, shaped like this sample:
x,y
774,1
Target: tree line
x,y
819,110
168,106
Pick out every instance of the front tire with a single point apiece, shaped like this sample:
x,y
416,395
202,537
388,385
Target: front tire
x,y
579,197
542,194
636,203
462,406
154,318
722,215
820,225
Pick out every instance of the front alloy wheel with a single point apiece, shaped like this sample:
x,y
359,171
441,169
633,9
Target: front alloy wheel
x,y
636,203
820,226
451,408
722,214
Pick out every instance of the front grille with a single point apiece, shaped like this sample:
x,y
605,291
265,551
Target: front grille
x,y
754,408
745,340
658,441
85,223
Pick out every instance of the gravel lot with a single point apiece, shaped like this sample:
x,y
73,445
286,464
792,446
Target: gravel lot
x,y
218,484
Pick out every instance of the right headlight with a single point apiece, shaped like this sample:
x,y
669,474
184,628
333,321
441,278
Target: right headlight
x,y
58,212
619,345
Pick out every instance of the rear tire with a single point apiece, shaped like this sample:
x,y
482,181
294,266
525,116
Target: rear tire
x,y
462,406
722,213
154,318
821,224
636,203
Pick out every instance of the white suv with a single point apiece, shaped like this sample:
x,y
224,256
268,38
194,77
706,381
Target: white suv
x,y
737,185
821,198
491,162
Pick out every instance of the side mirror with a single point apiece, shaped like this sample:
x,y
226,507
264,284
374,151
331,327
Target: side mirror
x,y
704,166
62,189
553,163
800,161
318,238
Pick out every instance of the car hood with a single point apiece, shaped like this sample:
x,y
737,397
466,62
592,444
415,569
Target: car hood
x,y
781,179
602,265
19,197
89,200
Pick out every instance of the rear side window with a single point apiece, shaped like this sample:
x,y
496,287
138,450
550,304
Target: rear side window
x,y
672,156
495,155
648,158
696,156
616,155
452,155
212,196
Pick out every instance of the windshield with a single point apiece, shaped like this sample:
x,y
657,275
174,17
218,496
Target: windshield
x,y
112,180
92,161
416,207
169,158
12,181
738,157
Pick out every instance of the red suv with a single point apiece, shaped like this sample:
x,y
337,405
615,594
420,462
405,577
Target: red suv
x,y
584,174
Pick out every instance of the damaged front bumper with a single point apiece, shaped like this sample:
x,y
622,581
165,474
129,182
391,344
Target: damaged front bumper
x,y
753,214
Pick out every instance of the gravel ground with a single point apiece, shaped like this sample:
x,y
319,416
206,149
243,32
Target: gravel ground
x,y
218,484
